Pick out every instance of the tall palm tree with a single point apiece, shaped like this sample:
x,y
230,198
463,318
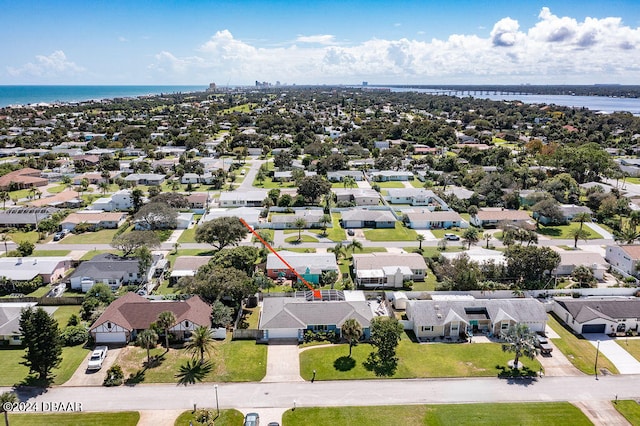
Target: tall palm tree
x,y
104,187
147,339
201,342
349,182
487,237
420,239
578,234
4,238
353,245
352,332
583,217
325,220
338,250
628,235
470,236
300,223
165,321
521,341
4,197
7,398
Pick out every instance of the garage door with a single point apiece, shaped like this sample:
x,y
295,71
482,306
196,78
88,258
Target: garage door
x,y
283,333
593,328
116,337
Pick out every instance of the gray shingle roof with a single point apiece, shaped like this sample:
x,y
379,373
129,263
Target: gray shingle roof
x,y
289,312
106,265
599,308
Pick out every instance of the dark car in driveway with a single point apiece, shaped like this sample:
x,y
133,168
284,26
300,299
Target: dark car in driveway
x,y
543,344
252,419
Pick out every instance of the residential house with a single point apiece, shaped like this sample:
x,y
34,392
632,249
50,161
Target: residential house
x,y
187,266
357,196
388,269
570,260
291,317
10,321
491,217
416,197
439,219
624,259
312,219
598,315
50,269
97,220
251,215
107,268
23,217
455,318
130,314
151,179
308,265
569,211
242,198
198,202
391,176
119,201
338,176
65,199
361,218
92,177
22,179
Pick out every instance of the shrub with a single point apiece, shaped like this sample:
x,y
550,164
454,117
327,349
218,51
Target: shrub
x,y
73,320
74,335
114,377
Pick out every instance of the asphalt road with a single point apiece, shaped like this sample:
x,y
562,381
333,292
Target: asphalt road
x,y
245,396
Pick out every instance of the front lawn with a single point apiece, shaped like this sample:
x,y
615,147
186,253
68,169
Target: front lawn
x,y
415,361
40,291
630,409
188,235
234,361
227,418
303,239
563,232
123,418
391,184
538,413
104,236
19,236
578,350
632,346
50,253
399,233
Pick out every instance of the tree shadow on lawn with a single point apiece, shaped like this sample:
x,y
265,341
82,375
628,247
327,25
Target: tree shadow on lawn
x,y
524,376
381,367
344,363
549,231
138,376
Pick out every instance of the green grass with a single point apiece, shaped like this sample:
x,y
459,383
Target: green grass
x,y
72,356
18,237
50,253
399,233
268,232
539,413
632,346
63,313
303,239
564,231
40,291
104,236
188,235
234,361
93,253
123,418
630,409
392,184
56,189
417,183
415,361
227,418
579,351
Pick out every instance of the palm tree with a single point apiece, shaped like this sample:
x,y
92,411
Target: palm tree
x,y
420,239
338,250
7,398
200,342
627,235
487,236
353,245
352,332
349,182
165,321
147,339
300,223
324,220
585,217
521,341
470,236
4,197
4,238
193,372
104,187
578,234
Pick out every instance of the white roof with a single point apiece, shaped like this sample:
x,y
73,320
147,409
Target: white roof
x,y
27,268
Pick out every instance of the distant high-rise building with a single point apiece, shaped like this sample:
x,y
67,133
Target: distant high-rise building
x,y
365,83
212,87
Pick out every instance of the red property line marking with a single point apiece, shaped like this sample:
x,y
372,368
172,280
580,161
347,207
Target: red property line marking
x,y
316,293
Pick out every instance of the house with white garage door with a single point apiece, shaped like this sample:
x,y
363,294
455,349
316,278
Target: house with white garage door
x,y
130,314
598,315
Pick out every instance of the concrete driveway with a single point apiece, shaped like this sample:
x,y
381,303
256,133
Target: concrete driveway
x,y
556,364
624,362
84,377
283,363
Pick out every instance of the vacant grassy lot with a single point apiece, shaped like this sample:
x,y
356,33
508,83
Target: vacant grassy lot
x,y
450,414
125,418
18,237
303,239
188,235
392,184
103,236
399,233
630,409
564,231
227,418
416,361
632,346
237,361
579,351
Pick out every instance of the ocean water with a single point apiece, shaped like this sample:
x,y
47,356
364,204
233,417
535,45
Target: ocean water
x,y
23,95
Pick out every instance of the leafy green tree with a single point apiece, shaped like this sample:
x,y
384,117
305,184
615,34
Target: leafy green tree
x,y
352,332
41,338
131,241
25,248
548,208
325,220
165,321
349,182
147,339
136,197
583,275
201,342
242,258
6,400
529,264
385,337
338,250
145,260
313,187
157,215
221,315
213,282
628,234
521,341
221,232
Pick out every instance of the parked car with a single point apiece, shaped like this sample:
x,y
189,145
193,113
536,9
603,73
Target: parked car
x,y
451,237
252,419
351,232
58,236
97,358
543,344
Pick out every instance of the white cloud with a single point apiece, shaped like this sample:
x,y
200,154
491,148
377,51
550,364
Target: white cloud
x,y
554,50
52,66
122,39
319,39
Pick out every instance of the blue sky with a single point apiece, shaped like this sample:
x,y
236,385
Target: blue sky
x,y
320,42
